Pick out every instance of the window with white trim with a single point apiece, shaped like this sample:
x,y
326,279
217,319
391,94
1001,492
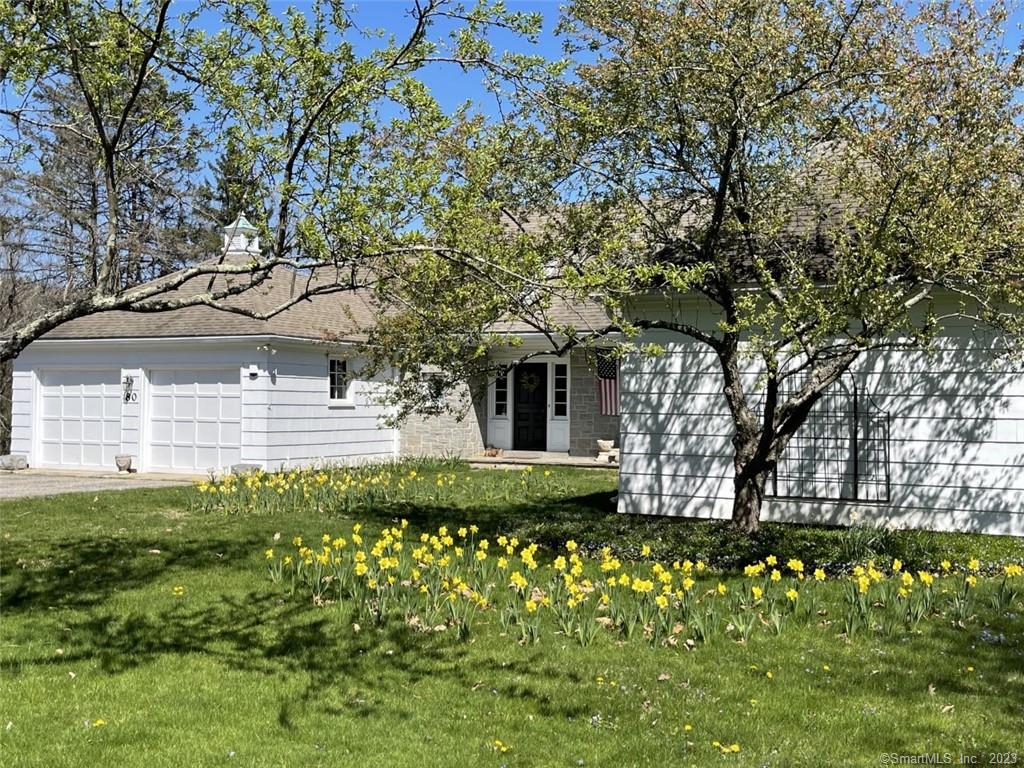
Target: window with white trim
x,y
338,380
561,391
501,396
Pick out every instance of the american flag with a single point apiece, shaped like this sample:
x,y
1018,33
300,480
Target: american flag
x,y
608,384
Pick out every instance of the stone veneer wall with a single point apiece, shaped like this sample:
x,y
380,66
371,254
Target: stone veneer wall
x,y
586,424
443,435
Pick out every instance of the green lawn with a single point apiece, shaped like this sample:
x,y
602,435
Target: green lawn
x,y
104,665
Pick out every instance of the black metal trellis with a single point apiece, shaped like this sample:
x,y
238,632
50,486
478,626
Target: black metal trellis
x,y
841,453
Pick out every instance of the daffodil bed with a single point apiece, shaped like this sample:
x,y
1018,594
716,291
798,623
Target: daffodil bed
x,y
171,628
451,578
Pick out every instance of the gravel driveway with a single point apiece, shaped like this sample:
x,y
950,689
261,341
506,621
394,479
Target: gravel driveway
x,y
39,482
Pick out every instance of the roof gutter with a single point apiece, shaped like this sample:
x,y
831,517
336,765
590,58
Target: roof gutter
x,y
192,339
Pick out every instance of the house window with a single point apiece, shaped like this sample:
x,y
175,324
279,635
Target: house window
x,y
561,390
338,380
501,395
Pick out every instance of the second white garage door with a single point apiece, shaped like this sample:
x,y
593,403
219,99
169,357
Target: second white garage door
x,y
195,420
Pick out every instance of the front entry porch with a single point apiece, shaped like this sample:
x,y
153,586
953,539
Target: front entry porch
x,y
513,459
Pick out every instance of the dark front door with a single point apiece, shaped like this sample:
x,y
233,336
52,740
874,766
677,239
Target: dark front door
x,y
531,407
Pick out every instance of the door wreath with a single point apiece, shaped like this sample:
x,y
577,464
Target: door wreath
x,y
529,382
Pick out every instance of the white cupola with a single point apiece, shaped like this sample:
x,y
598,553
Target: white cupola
x,y
240,238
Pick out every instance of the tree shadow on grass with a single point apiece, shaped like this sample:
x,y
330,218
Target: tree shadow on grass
x,y
342,671
264,633
83,573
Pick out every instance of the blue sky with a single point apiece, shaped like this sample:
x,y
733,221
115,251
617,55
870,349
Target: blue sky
x,y
448,83
452,87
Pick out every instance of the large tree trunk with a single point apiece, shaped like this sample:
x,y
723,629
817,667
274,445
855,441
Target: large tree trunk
x,y
751,464
747,501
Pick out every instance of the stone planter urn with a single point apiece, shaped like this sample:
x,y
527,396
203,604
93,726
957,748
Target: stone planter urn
x,y
124,462
604,446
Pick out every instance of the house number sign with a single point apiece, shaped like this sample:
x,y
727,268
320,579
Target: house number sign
x,y
130,395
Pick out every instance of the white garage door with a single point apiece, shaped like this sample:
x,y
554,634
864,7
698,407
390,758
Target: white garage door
x,y
195,421
80,418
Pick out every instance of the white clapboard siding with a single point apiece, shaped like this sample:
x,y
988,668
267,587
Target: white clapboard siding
x,y
285,415
956,447
302,426
21,412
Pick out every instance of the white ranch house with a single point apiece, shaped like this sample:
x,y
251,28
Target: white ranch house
x,y
197,390
906,439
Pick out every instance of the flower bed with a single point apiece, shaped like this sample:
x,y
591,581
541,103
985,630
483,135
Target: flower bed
x,y
446,579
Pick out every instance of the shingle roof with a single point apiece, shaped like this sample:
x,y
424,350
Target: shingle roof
x,y
582,316
338,315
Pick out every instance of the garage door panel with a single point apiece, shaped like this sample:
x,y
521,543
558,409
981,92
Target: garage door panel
x,y
96,456
195,422
162,406
208,407
207,456
111,432
231,433
71,431
183,457
209,433
160,431
231,408
184,432
92,431
184,405
160,455
51,429
93,413
72,406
